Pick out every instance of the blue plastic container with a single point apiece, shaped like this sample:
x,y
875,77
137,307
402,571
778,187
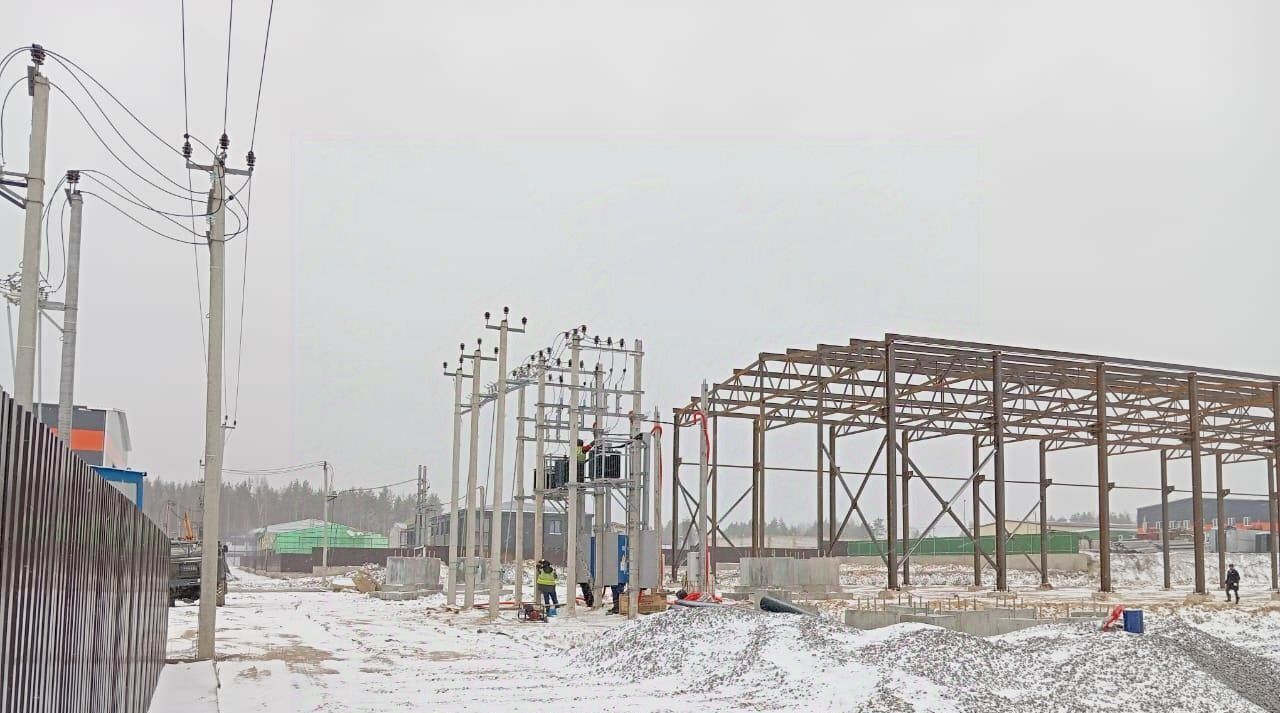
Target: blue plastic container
x,y
1133,621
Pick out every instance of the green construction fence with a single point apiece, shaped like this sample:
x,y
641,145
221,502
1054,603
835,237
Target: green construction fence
x,y
1059,543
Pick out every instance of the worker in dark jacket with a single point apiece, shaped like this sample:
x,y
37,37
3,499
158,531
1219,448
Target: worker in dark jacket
x,y
1233,582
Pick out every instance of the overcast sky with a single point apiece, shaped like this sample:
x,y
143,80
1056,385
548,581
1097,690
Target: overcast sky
x,y
716,178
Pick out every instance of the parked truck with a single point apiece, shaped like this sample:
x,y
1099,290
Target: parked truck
x,y
184,572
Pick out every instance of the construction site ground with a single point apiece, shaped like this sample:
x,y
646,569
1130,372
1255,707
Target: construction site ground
x,y
290,645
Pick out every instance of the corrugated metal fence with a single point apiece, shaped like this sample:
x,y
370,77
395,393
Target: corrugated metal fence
x,y
83,581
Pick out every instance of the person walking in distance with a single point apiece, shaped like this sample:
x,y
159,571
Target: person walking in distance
x,y
546,581
1233,582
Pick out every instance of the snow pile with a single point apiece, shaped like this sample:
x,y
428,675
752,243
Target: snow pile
x,y
769,661
752,658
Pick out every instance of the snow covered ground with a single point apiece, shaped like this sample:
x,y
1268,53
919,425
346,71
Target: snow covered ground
x,y
287,650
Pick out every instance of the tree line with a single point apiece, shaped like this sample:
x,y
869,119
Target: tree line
x,y
252,503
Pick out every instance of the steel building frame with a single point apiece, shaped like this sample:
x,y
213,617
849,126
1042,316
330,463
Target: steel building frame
x,y
913,389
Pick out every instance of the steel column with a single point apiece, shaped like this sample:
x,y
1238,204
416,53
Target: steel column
x,y
1197,481
1044,515
891,462
715,485
1164,516
819,469
977,511
833,474
1271,521
906,509
997,441
1220,530
762,522
1104,483
675,495
1274,478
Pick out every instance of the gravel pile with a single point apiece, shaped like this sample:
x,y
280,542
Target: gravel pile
x,y
783,662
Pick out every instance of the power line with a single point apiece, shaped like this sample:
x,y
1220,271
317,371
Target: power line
x,y
378,487
64,61
116,129
195,249
4,104
186,116
261,73
244,290
136,200
114,155
140,224
226,92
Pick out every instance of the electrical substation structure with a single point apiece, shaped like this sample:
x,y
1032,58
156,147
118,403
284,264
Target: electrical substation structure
x,y
911,390
571,401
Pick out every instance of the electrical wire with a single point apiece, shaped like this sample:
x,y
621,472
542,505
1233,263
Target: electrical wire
x,y
114,155
115,128
142,225
226,91
253,135
68,61
244,281
262,73
48,251
186,116
136,200
377,487
4,104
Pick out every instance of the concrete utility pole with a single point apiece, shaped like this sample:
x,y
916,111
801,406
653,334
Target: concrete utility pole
x,y
571,502
71,306
518,497
420,521
210,542
657,496
539,456
454,498
602,504
634,546
29,299
328,496
473,515
499,450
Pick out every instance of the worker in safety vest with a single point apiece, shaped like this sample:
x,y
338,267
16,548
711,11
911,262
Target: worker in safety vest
x,y
580,456
546,581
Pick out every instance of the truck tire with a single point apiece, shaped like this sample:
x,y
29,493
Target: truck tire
x,y
222,594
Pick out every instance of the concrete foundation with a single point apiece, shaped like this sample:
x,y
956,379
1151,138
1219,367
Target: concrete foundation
x,y
982,622
395,596
412,574
785,572
815,578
